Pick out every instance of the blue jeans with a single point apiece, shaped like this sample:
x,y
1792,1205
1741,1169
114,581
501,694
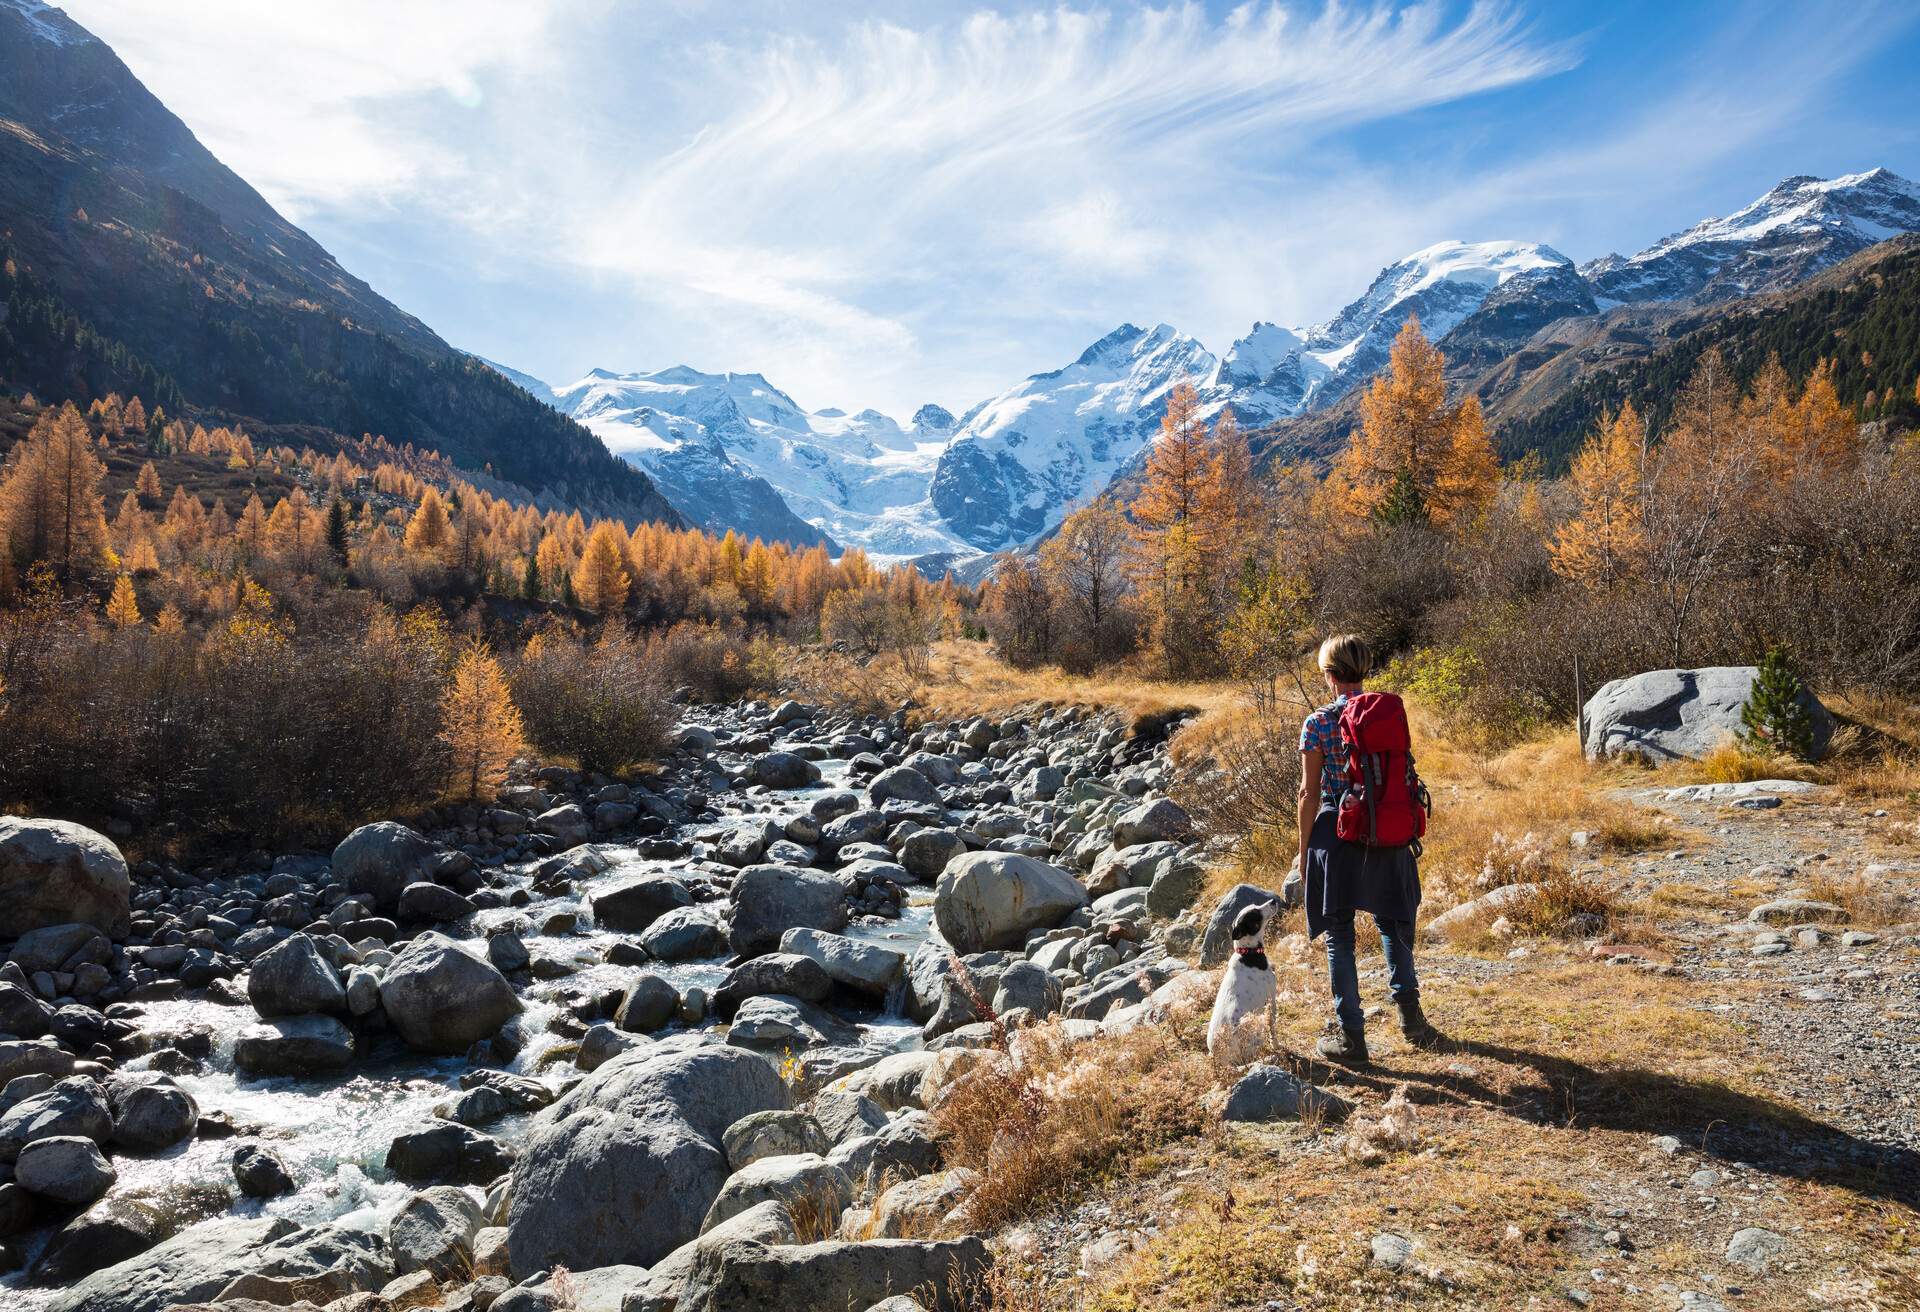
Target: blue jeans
x,y
1396,937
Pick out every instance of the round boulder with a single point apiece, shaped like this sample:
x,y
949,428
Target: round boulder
x,y
54,872
294,1045
381,859
260,1173
294,978
992,899
1671,715
770,900
150,1113
903,783
925,853
66,1169
783,770
441,998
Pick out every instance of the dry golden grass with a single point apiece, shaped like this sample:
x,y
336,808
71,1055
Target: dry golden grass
x,y
1866,902
966,678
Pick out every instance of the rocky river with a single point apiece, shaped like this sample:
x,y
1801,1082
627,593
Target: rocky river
x,y
607,1045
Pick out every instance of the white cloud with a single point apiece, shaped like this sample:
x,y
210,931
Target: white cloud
x,y
315,103
870,213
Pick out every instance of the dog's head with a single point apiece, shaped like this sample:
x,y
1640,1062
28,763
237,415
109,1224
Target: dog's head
x,y
1250,926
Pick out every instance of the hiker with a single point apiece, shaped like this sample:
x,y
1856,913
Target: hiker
x,y
1374,868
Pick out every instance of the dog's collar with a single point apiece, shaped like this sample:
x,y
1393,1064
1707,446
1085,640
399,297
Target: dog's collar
x,y
1254,957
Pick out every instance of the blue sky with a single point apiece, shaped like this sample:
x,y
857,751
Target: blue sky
x,y
888,204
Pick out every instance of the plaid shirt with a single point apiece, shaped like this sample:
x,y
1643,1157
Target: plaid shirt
x,y
1320,732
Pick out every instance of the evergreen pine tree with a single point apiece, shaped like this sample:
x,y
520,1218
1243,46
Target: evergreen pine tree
x,y
337,531
530,581
1776,718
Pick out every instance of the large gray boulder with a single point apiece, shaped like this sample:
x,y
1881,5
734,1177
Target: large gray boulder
x,y
293,978
992,899
294,1045
783,770
633,905
442,998
150,1112
946,1275
54,872
191,1267
925,853
625,1166
786,1179
1159,821
1672,715
72,1107
863,967
68,1170
782,972
684,934
770,900
903,783
381,859
433,1232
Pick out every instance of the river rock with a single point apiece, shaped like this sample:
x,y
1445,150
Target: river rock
x,y
648,1004
442,998
915,1208
1159,821
1268,1093
770,900
925,852
294,1045
448,1153
773,1023
660,1289
32,1057
73,1107
66,1169
110,1231
778,972
772,1134
1668,715
21,1013
624,1167
903,783
685,934
433,1232
59,947
864,967
835,1275
191,1267
992,899
426,903
294,978
150,1112
783,770
634,904
787,1180
381,859
55,872
892,1083
260,1172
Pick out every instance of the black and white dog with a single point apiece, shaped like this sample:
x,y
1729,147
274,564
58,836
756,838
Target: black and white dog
x,y
1246,991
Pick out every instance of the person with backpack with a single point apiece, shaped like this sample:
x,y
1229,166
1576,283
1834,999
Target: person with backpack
x,y
1362,812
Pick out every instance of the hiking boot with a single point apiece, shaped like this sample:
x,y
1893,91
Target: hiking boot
x,y
1344,1045
1415,1026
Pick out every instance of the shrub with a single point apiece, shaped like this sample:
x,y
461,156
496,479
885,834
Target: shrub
x,y
600,702
1775,718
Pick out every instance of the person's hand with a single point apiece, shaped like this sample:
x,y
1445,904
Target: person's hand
x,y
1293,892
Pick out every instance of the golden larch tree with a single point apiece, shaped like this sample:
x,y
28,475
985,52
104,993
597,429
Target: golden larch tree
x,y
1415,456
430,531
1606,537
123,607
50,496
147,486
479,722
600,580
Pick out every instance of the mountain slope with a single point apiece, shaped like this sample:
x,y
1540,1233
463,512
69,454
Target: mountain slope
x,y
1800,227
1021,461
110,202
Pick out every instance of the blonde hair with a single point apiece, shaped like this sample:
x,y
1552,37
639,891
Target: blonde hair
x,y
1346,658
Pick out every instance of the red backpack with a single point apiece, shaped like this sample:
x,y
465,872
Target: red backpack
x,y
1385,804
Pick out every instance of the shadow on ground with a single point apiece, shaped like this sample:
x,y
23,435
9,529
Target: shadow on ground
x,y
1705,1116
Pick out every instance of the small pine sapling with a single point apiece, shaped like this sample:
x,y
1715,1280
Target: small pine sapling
x,y
1776,718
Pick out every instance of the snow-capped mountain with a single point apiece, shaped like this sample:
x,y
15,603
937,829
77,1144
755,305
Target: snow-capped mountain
x,y
1275,372
1024,459
1797,229
735,452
